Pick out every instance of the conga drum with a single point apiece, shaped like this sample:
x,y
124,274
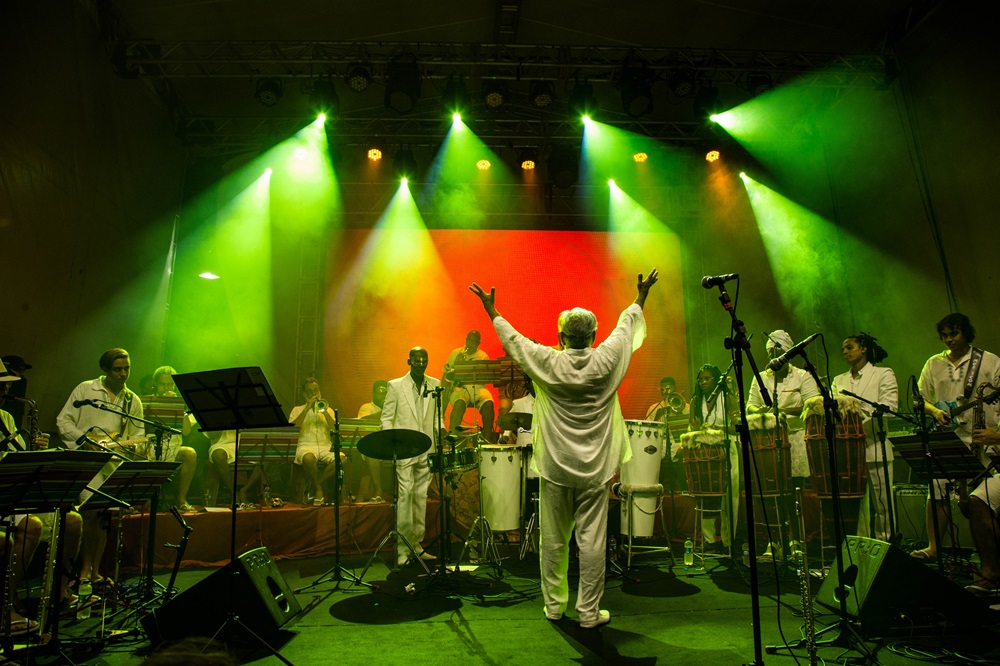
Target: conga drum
x,y
648,441
772,454
849,445
704,454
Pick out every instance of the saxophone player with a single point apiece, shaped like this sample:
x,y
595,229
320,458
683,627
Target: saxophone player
x,y
29,530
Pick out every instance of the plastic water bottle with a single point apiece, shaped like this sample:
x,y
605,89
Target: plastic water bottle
x,y
85,591
746,554
267,494
688,552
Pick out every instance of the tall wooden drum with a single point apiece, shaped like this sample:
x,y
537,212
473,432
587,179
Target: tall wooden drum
x,y
849,445
704,454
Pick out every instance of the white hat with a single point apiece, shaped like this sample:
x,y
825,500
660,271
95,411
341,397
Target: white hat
x,y
6,376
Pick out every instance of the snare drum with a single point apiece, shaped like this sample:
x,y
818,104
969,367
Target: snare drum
x,y
850,444
500,469
772,454
705,462
648,448
454,459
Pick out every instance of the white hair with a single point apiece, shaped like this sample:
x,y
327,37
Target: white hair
x,y
577,324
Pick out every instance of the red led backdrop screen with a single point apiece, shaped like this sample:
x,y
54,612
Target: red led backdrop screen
x,y
388,291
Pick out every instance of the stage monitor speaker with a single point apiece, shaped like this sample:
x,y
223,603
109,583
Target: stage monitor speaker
x,y
251,587
889,590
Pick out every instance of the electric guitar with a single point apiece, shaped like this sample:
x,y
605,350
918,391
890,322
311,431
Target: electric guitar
x,y
955,407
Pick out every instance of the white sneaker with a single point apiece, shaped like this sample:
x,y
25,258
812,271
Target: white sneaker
x,y
603,617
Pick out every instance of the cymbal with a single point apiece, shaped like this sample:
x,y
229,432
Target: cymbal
x,y
397,443
515,421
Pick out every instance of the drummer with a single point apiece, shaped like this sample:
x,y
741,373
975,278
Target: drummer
x,y
861,353
712,408
790,387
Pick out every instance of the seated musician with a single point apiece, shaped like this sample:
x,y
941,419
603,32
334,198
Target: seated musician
x,y
75,423
947,378
671,405
460,396
984,510
315,420
373,411
19,548
174,448
712,408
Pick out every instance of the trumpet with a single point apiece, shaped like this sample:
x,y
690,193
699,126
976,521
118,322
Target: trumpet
x,y
322,405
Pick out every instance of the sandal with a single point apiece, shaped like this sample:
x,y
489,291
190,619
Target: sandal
x,y
22,627
186,508
922,554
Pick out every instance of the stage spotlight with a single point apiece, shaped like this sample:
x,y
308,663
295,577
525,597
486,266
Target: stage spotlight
x,y
564,166
712,156
483,165
321,118
542,93
494,94
635,84
611,182
528,157
455,98
456,118
682,82
269,91
208,275
743,175
374,150
758,83
402,83
359,77
267,171
324,97
374,154
405,164
300,153
706,102
581,100
404,181
640,157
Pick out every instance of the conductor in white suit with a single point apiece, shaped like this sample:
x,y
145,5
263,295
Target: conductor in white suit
x,y
409,404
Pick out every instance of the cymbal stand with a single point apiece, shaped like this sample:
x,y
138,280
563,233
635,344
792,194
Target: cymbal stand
x,y
444,517
395,534
337,573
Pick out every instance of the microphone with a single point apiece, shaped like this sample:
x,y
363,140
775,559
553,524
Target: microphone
x,y
782,361
708,281
81,403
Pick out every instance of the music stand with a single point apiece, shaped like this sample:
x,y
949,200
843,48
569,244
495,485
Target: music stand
x,y
45,481
135,483
947,454
233,399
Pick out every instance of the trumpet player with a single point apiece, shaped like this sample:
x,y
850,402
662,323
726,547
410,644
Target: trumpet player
x,y
671,405
315,420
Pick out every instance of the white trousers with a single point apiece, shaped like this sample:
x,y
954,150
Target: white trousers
x,y
875,499
411,510
561,510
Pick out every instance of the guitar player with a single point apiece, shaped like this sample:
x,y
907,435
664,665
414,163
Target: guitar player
x,y
949,379
80,417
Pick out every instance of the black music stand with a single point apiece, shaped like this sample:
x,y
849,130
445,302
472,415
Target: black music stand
x,y
233,399
136,482
44,481
947,455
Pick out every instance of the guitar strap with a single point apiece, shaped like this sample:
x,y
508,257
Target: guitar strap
x,y
127,408
8,438
972,374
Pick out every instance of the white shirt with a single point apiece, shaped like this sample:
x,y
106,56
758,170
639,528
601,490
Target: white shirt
x,y
453,358
525,405
791,394
314,431
713,417
73,422
579,436
875,384
943,381
408,408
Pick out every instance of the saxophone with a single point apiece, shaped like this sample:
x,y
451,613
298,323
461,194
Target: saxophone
x,y
45,598
808,619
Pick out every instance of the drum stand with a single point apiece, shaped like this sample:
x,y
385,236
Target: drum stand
x,y
488,552
529,529
394,534
628,495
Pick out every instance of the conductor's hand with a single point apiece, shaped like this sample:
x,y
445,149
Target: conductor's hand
x,y
643,285
488,299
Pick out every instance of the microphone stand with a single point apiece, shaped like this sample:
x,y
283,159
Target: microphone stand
x,y
925,442
848,637
336,573
739,344
444,518
877,414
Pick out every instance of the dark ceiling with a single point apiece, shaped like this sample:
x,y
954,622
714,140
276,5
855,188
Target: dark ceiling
x,y
205,59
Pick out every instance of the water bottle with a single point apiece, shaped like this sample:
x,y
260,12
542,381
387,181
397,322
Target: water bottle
x,y
746,554
85,591
688,552
267,494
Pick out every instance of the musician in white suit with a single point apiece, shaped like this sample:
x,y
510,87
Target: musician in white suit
x,y
409,404
871,382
